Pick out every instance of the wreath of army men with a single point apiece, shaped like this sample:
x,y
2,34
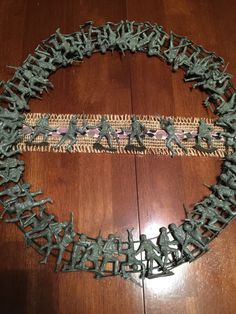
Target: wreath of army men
x,y
74,251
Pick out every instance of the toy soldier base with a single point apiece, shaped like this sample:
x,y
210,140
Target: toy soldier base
x,y
100,147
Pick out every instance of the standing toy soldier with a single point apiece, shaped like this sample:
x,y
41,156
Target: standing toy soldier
x,y
61,244
110,248
193,236
151,251
204,134
41,128
79,250
92,254
106,130
168,126
70,135
131,259
137,132
165,247
179,235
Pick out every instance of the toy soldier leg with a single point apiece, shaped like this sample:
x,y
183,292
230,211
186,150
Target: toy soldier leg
x,y
60,256
108,137
139,140
49,249
197,244
76,256
62,141
70,145
169,145
33,136
180,144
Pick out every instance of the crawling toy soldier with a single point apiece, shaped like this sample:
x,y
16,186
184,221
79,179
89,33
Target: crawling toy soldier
x,y
137,132
106,131
41,128
168,126
204,134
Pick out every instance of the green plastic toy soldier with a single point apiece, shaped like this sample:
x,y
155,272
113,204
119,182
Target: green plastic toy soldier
x,y
106,131
156,40
11,169
38,226
92,254
13,207
131,259
172,52
41,128
214,202
168,126
193,236
204,134
79,249
137,132
16,191
70,135
179,236
110,248
61,244
151,251
166,248
209,217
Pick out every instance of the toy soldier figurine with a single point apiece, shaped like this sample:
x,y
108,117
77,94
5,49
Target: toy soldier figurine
x,y
15,101
166,249
7,144
172,52
131,260
106,130
70,135
109,249
204,133
19,208
11,169
192,236
209,217
224,192
38,226
151,251
92,254
168,126
61,244
79,249
41,128
156,41
16,191
216,203
138,131
179,236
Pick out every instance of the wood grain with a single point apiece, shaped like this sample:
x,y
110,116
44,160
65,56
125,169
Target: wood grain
x,y
110,192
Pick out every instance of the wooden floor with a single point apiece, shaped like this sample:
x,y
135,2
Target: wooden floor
x,y
114,192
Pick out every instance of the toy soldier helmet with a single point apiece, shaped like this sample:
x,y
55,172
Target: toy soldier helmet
x,y
143,237
111,237
187,226
172,226
83,236
133,118
46,115
162,229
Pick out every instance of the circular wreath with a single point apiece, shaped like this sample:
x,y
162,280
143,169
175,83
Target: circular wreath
x,y
74,251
